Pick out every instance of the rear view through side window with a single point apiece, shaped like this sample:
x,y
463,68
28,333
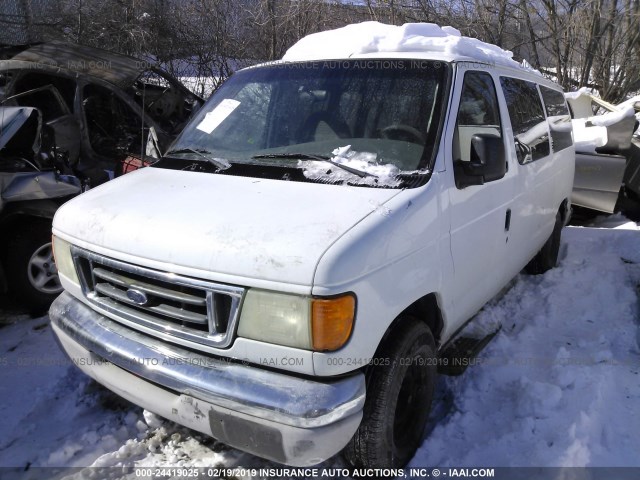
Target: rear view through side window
x,y
528,121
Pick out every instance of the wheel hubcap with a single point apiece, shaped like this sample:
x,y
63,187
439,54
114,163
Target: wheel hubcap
x,y
42,271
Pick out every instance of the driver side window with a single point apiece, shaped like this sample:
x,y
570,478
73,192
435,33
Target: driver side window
x,y
478,113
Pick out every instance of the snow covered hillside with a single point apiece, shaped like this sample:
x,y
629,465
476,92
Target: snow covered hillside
x,y
558,386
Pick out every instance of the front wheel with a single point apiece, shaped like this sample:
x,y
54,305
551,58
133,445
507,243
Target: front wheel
x,y
399,391
31,272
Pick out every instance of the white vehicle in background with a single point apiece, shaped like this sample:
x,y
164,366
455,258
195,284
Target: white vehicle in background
x,y
292,274
607,154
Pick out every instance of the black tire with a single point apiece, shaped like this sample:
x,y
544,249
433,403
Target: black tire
x,y
31,273
399,393
547,257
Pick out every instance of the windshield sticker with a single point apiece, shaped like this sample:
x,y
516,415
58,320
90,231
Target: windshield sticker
x,y
216,116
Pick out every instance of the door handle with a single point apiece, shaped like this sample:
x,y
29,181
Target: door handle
x,y
507,220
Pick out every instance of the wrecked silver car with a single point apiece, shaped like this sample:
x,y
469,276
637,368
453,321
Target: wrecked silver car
x,y
101,105
607,177
32,187
72,118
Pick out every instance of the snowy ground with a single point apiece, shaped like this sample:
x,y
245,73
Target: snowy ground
x,y
558,386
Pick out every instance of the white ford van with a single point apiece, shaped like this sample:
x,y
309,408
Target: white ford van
x,y
291,275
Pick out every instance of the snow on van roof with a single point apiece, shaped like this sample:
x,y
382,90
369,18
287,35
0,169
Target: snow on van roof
x,y
376,37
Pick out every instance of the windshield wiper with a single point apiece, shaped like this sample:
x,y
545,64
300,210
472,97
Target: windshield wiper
x,y
317,158
221,163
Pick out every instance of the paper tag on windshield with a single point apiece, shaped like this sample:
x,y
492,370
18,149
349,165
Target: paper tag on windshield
x,y
216,116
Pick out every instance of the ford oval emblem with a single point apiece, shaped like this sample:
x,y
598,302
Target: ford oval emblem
x,y
136,296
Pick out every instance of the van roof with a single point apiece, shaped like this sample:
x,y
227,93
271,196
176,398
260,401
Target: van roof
x,y
411,40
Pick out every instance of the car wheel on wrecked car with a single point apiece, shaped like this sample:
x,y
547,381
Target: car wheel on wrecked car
x,y
31,272
400,385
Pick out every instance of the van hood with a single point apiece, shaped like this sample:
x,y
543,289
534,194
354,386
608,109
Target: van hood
x,y
227,228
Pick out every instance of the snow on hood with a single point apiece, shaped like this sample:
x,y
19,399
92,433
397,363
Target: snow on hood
x,y
378,175
376,37
221,227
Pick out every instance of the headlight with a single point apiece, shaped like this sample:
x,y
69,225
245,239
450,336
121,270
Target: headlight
x,y
64,261
321,324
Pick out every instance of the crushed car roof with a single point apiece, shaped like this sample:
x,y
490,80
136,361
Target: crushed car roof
x,y
116,68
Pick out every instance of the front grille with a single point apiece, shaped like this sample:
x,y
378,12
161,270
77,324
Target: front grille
x,y
190,311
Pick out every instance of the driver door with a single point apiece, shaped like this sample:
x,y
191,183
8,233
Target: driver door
x,y
479,214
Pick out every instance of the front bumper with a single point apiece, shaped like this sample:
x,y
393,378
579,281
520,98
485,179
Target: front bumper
x,y
288,419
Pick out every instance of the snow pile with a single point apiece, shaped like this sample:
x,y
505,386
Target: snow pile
x,y
378,175
587,138
611,118
578,93
375,37
632,102
591,133
53,414
589,130
558,385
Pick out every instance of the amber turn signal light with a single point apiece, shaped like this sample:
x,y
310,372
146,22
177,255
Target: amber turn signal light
x,y
332,321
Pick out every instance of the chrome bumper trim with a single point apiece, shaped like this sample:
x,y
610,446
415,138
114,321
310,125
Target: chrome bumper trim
x,y
273,396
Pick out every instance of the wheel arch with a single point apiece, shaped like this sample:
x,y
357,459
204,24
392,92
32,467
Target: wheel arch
x,y
427,310
20,211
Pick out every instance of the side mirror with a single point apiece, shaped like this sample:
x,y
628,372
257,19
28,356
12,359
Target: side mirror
x,y
487,163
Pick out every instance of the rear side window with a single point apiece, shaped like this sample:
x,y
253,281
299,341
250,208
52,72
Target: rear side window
x,y
528,121
558,117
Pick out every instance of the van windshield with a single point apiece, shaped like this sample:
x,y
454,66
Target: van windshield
x,y
378,117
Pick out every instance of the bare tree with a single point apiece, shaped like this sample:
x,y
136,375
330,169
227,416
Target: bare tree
x,y
578,42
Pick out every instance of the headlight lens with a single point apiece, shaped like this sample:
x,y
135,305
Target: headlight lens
x,y
297,321
64,261
276,318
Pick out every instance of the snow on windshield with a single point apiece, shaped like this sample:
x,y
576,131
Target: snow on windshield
x,y
376,174
376,37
